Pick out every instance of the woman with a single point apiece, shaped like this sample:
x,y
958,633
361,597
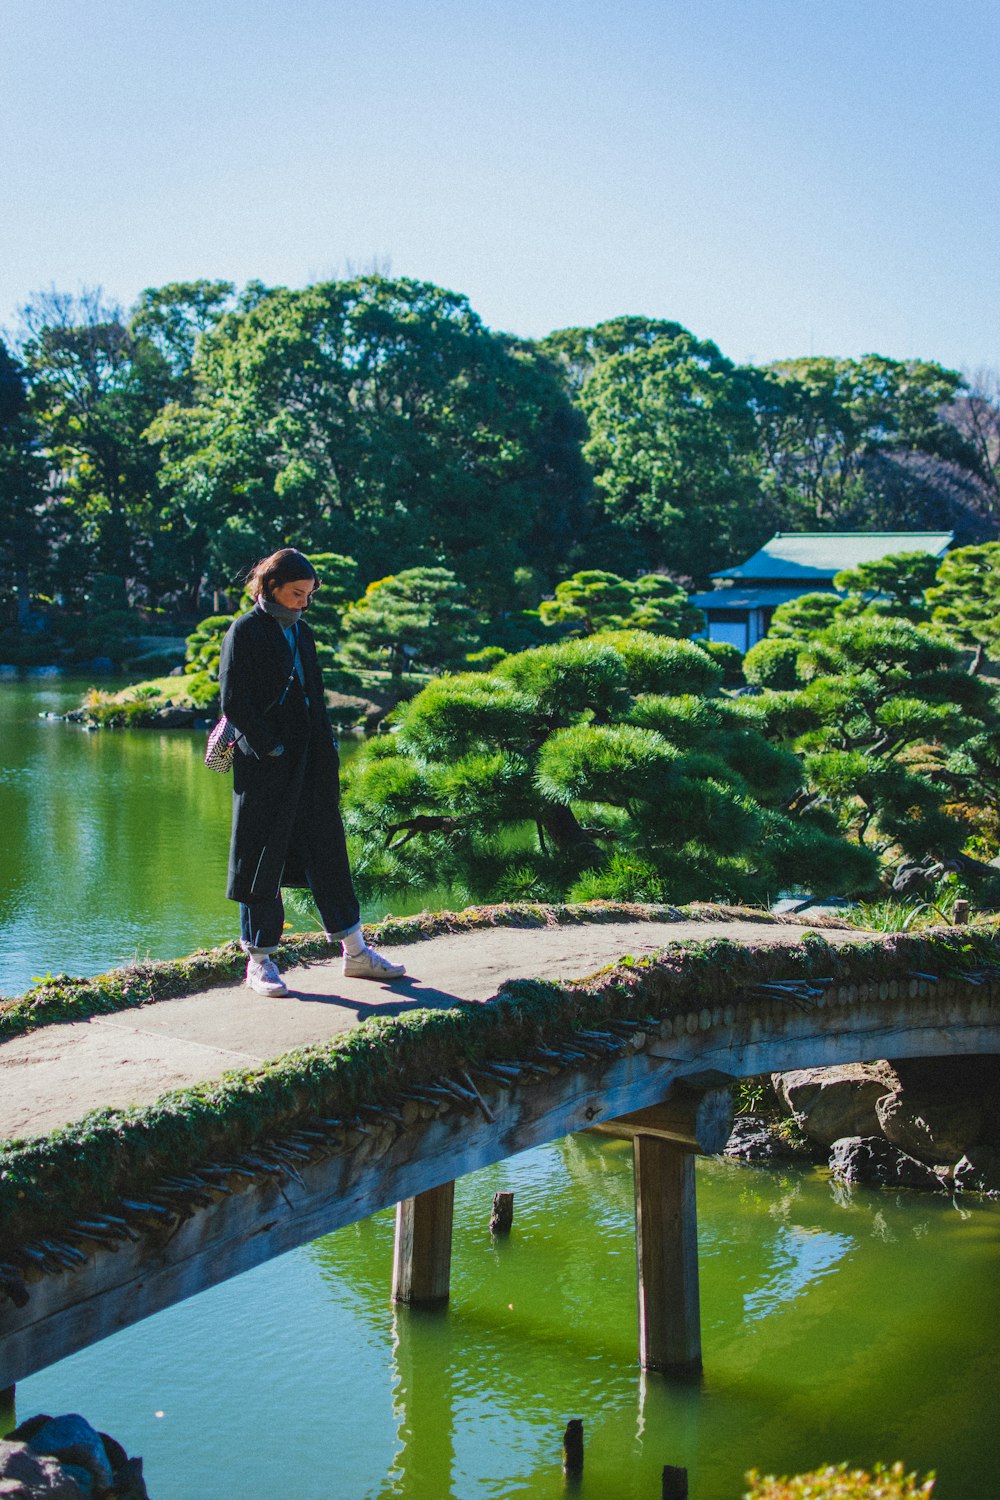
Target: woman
x,y
286,818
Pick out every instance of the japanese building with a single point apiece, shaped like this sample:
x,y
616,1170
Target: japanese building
x,y
739,607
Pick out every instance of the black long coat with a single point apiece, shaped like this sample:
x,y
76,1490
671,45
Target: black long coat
x,y
286,803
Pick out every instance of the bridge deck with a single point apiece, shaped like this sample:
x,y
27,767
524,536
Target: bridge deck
x,y
58,1073
212,1185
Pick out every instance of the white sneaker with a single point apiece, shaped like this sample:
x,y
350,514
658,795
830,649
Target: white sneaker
x,y
371,965
263,976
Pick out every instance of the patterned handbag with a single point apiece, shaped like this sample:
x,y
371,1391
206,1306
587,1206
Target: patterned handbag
x,y
221,739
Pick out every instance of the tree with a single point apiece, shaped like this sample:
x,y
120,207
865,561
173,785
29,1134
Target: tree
x,y
885,704
800,618
975,414
22,544
672,445
172,318
338,578
576,352
895,585
94,390
821,421
594,600
415,618
377,417
965,601
602,767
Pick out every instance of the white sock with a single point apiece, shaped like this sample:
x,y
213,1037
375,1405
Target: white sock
x,y
354,942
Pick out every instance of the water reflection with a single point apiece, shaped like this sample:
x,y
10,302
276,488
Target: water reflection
x,y
116,843
807,1306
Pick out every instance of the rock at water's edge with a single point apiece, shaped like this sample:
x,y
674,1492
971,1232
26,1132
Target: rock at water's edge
x,y
72,1440
755,1139
830,1103
979,1170
25,1475
873,1160
930,1125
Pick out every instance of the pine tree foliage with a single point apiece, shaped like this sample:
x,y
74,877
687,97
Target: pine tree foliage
x,y
966,598
607,766
595,599
416,618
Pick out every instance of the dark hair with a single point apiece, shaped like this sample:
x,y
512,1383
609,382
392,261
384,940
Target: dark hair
x,y
287,565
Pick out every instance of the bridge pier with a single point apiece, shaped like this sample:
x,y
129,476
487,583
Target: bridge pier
x,y
421,1266
666,1248
665,1138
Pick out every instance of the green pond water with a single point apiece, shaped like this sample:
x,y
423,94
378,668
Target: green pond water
x,y
836,1325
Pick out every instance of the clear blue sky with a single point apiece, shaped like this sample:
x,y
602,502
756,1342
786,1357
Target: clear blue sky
x,y
784,176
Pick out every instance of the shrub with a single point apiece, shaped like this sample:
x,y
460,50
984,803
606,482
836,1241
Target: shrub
x,y
840,1483
773,663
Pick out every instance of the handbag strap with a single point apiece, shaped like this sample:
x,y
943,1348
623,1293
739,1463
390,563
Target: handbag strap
x,y
291,676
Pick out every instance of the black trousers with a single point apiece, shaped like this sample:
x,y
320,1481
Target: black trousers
x,y
261,923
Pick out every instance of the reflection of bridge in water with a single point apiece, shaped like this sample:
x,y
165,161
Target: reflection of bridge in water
x,y
659,1077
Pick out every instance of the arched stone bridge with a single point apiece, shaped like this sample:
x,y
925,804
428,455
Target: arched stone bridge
x,y
647,1049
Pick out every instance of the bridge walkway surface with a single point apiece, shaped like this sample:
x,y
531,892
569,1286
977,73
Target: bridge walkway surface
x,y
58,1073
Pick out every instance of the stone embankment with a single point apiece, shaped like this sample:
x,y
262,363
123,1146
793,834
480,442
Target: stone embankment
x,y
64,1458
926,1123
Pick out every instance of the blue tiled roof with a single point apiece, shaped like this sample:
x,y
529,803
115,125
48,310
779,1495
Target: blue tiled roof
x,y
736,597
817,555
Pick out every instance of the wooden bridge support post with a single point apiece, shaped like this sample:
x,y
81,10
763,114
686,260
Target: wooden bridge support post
x,y
667,1256
421,1268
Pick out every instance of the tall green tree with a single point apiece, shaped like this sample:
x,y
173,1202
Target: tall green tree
x,y
672,445
381,418
172,318
821,421
94,390
576,352
22,497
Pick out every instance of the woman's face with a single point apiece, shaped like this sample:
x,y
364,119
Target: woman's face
x,y
294,595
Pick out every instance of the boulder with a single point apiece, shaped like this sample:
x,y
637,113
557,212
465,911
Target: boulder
x,y
830,1103
129,1483
871,1159
74,1442
755,1139
25,1475
930,1124
172,716
95,1464
979,1170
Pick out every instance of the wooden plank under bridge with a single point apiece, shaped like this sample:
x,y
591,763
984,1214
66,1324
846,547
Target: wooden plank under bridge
x,y
646,1050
